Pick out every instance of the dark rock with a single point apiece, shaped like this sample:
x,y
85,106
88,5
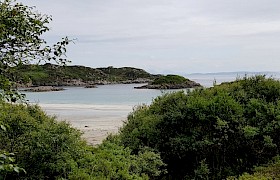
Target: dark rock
x,y
44,89
91,86
188,84
137,81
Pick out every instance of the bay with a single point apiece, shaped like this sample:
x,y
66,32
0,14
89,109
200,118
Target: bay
x,y
100,111
97,112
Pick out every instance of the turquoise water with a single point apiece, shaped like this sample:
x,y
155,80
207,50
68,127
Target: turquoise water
x,y
121,94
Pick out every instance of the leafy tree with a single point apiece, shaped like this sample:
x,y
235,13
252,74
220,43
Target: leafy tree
x,y
210,133
21,43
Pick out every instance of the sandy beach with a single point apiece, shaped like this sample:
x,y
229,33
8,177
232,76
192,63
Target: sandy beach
x,y
95,121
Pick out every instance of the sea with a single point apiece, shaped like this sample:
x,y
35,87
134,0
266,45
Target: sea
x,y
125,94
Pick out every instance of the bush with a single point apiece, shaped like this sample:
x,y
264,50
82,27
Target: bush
x,y
47,149
44,147
217,132
112,161
269,171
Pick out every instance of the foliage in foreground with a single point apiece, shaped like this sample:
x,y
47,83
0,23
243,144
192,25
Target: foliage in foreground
x,y
265,172
47,149
21,43
21,28
112,161
210,133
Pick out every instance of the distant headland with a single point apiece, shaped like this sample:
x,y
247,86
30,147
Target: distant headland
x,y
50,75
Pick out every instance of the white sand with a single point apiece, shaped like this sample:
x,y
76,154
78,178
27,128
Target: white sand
x,y
96,121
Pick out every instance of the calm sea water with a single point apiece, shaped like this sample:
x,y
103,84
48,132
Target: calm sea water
x,y
120,94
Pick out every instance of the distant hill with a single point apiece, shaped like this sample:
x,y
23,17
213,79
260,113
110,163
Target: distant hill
x,y
241,73
55,75
207,79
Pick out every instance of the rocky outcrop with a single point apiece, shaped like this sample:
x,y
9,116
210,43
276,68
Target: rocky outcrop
x,y
91,86
188,84
44,89
137,81
73,82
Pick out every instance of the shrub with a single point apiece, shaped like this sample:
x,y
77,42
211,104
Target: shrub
x,y
44,147
224,130
269,171
112,161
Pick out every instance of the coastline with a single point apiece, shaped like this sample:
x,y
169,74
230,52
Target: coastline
x,y
100,111
95,121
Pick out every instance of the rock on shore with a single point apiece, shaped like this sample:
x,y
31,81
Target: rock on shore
x,y
91,86
44,89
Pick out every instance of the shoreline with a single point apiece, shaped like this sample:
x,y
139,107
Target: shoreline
x,y
95,121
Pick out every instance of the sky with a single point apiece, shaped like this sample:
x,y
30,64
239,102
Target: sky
x,y
168,36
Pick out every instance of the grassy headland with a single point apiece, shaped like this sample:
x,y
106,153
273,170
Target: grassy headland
x,y
54,75
170,82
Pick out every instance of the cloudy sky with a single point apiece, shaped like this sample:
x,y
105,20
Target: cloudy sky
x,y
169,36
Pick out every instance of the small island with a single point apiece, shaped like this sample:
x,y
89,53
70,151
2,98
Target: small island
x,y
170,82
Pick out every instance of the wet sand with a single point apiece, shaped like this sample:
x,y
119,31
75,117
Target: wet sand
x,y
95,121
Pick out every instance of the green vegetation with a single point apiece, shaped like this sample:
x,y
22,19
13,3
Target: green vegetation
x,y
47,149
210,133
50,74
20,43
269,171
170,82
169,79
34,145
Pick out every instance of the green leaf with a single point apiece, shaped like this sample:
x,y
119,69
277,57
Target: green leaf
x,y
3,127
17,169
